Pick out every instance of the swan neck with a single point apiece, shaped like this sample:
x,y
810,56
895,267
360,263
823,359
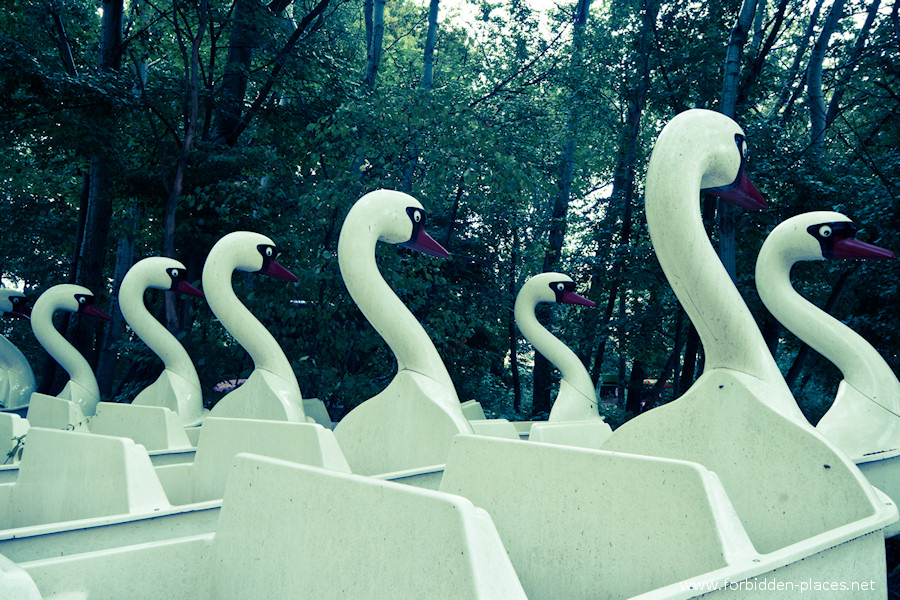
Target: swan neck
x,y
159,339
860,364
552,348
59,348
246,329
731,339
393,321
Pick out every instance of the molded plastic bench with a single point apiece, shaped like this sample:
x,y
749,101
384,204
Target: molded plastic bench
x,y
581,523
67,475
292,531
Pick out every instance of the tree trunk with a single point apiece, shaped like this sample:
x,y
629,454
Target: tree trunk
x,y
788,96
676,351
542,383
817,114
106,362
600,353
762,51
192,87
652,398
624,177
732,77
234,81
511,322
62,42
636,387
89,268
541,390
368,8
689,365
837,96
427,80
373,50
430,37
730,95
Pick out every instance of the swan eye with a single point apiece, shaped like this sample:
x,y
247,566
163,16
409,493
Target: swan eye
x,y
560,287
175,273
81,299
825,231
269,252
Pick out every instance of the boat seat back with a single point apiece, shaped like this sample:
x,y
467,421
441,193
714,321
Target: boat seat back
x,y
786,482
68,475
581,523
293,531
222,438
153,427
583,434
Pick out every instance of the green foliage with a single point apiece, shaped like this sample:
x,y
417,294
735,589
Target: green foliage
x,y
482,150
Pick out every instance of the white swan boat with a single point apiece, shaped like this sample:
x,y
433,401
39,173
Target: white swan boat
x,y
80,396
792,489
410,423
574,418
16,377
864,420
271,391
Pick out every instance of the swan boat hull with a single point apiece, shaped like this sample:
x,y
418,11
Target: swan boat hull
x,y
174,550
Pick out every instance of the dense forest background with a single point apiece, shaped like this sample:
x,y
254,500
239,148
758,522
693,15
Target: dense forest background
x,y
136,128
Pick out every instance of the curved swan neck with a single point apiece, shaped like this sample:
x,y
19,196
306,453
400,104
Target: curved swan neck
x,y
554,350
730,336
393,321
240,322
159,339
59,348
861,365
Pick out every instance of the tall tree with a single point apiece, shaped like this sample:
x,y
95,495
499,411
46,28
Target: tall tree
x,y
557,231
814,84
730,94
374,42
93,243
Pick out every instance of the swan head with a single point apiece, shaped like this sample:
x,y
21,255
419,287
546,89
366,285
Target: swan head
x,y
397,218
721,147
70,298
246,251
14,304
822,235
552,287
160,273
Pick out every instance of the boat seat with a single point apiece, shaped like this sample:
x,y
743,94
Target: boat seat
x,y
154,427
55,413
786,482
473,410
292,531
580,523
316,410
221,439
68,475
583,434
500,428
